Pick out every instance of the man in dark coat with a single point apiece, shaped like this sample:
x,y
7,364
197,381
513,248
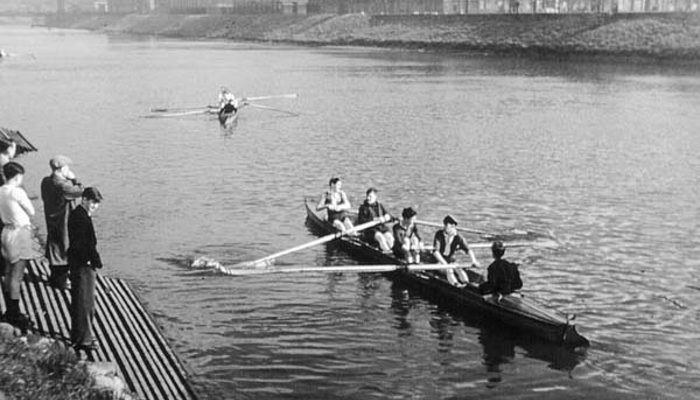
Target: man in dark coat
x,y
83,260
503,276
59,192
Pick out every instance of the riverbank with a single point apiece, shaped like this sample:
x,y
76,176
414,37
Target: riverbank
x,y
40,368
659,36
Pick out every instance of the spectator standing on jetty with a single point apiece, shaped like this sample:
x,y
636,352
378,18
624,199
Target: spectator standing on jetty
x,y
59,192
83,260
7,153
18,245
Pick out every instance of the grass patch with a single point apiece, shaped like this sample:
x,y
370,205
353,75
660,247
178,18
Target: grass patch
x,y
32,371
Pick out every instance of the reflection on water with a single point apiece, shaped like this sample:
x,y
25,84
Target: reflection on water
x,y
603,155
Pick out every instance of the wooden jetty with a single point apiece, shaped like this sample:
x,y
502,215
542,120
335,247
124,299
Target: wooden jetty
x,y
126,333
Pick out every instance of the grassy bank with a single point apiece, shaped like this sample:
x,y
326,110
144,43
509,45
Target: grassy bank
x,y
36,369
656,36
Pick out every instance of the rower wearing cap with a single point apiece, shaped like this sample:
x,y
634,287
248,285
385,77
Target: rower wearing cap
x,y
446,243
407,241
503,276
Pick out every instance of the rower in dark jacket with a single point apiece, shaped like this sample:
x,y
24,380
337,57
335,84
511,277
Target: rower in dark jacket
x,y
503,276
83,261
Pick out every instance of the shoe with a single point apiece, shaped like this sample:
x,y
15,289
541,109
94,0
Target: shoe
x,y
92,346
60,285
20,321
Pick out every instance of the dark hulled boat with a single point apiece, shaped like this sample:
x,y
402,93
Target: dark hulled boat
x,y
514,310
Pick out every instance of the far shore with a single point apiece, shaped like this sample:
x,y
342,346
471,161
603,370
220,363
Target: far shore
x,y
632,37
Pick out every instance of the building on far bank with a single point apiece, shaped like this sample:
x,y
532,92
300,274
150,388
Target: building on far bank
x,y
372,7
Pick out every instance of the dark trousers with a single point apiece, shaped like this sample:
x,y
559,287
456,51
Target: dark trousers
x,y
82,308
59,276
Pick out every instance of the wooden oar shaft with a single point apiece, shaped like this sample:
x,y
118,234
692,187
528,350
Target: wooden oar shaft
x,y
271,108
265,260
182,108
507,244
436,225
341,268
276,96
179,114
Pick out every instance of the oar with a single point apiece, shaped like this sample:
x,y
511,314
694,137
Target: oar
x,y
272,109
180,114
459,228
261,262
182,108
513,243
342,268
493,236
276,96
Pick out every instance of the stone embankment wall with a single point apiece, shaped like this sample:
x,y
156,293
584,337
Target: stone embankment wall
x,y
657,35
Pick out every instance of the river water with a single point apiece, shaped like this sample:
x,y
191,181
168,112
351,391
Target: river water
x,y
602,155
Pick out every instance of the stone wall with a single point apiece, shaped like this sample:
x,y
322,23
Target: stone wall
x,y
657,35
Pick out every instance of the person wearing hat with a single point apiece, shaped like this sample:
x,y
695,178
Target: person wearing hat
x,y
371,210
446,243
407,240
503,276
60,192
18,242
83,260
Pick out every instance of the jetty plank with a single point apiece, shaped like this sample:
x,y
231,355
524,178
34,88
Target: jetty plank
x,y
127,334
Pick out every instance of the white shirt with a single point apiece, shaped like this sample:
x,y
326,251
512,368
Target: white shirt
x,y
227,97
15,206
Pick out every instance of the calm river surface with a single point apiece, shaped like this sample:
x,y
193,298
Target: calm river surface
x,y
604,156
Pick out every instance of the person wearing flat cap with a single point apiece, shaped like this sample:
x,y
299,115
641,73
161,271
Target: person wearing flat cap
x,y
446,243
60,192
84,261
407,241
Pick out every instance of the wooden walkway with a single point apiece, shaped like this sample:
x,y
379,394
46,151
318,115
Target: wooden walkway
x,y
126,333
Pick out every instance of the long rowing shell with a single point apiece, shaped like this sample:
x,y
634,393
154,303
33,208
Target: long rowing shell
x,y
516,311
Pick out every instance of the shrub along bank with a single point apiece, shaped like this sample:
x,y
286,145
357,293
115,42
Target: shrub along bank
x,y
657,35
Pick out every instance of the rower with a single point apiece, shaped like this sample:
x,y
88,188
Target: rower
x,y
372,210
336,203
228,103
407,241
446,243
503,276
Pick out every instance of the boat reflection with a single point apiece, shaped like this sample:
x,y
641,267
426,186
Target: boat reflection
x,y
500,343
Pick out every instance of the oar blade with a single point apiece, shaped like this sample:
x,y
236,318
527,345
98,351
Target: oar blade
x,y
272,109
274,96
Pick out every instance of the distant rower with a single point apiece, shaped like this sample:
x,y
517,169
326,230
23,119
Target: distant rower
x,y
228,103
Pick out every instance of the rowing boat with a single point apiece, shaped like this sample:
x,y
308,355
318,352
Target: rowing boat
x,y
227,119
513,310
